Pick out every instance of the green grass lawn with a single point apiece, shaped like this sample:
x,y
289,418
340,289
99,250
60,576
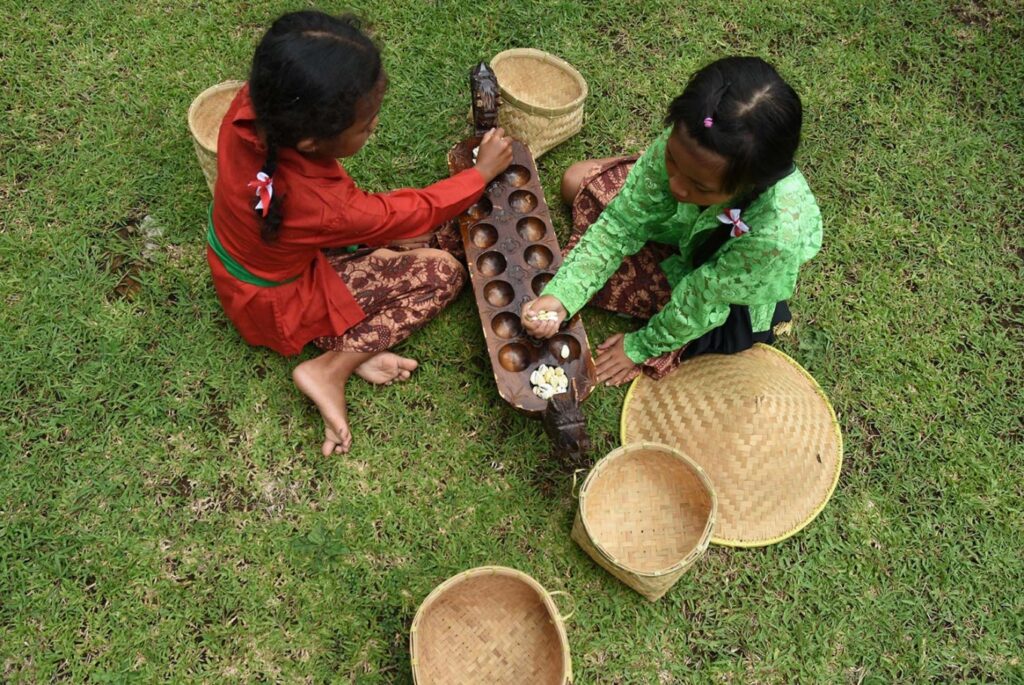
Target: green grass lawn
x,y
165,514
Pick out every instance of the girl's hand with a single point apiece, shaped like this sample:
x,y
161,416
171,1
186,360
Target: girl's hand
x,y
537,316
495,153
613,366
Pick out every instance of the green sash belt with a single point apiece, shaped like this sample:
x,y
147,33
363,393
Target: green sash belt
x,y
232,266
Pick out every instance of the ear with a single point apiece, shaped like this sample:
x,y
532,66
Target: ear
x,y
307,146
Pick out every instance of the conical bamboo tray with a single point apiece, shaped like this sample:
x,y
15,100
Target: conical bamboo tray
x,y
762,429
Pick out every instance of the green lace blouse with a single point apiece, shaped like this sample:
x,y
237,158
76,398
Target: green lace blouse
x,y
757,269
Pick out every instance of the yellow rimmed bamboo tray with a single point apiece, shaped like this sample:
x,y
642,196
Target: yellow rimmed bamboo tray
x,y
760,427
645,515
542,97
491,625
204,117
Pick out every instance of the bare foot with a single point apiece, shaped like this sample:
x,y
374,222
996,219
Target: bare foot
x,y
317,382
386,367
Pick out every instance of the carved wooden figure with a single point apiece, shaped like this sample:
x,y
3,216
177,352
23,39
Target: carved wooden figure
x,y
565,424
483,85
512,253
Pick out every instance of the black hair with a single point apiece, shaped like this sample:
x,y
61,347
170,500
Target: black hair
x,y
308,74
754,117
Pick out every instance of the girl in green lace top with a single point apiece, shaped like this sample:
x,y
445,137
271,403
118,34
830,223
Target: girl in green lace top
x,y
705,234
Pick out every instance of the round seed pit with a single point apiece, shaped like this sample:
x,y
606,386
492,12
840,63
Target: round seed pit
x,y
522,201
498,293
560,341
539,282
491,264
516,176
538,256
514,357
506,325
531,228
481,209
483,235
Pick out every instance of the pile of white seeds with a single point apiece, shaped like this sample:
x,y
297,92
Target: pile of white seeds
x,y
549,381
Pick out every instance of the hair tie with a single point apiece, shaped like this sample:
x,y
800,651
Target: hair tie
x,y
708,122
264,186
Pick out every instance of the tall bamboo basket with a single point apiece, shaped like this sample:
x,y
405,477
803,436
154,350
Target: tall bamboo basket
x,y
490,625
645,515
204,117
542,97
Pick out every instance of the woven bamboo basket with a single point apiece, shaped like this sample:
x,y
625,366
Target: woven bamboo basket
x,y
645,515
204,117
761,428
492,625
542,97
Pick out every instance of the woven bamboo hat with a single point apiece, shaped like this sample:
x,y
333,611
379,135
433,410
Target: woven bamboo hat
x,y
542,97
204,117
762,429
491,625
645,516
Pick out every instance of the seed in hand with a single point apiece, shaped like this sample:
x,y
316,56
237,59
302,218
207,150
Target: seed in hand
x,y
544,315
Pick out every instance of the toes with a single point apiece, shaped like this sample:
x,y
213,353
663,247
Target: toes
x,y
407,364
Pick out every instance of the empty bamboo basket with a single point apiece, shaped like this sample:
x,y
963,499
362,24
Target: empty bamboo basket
x,y
542,97
204,117
645,515
490,625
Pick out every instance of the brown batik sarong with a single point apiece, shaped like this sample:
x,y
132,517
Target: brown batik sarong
x,y
639,287
398,289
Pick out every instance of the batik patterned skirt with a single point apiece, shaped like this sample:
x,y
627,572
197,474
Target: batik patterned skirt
x,y
400,289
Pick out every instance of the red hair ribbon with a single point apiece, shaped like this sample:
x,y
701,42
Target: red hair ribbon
x,y
264,186
732,216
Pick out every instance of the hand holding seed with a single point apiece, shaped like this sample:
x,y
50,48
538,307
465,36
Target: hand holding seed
x,y
542,317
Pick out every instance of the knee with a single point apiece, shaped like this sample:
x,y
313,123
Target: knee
x,y
452,275
572,179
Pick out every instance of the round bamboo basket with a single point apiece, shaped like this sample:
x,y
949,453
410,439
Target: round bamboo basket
x,y
645,515
542,97
491,625
204,117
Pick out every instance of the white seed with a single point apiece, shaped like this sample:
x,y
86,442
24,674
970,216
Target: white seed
x,y
565,351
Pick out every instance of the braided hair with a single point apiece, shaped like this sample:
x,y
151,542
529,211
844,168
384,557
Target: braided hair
x,y
308,75
741,109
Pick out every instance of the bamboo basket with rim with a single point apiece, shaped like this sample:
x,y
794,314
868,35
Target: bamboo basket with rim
x,y
493,625
542,97
204,117
645,515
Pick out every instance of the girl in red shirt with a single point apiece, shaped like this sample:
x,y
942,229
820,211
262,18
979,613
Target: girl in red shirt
x,y
298,253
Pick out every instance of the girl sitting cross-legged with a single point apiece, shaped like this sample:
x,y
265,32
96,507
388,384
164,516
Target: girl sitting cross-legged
x,y
703,235
285,210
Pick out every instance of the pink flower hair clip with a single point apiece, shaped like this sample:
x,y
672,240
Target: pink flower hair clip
x,y
732,216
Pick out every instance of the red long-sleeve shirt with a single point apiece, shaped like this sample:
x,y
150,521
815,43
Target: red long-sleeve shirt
x,y
322,207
